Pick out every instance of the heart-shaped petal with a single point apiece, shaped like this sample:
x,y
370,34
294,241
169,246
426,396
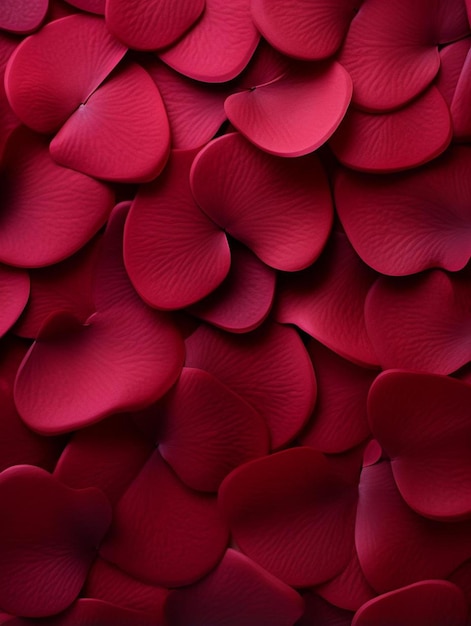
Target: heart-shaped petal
x,y
22,16
296,113
164,533
280,209
14,293
54,71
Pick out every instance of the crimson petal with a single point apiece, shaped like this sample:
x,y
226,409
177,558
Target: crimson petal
x,y
49,534
296,113
452,58
14,293
92,6
321,613
22,16
52,72
164,533
270,368
280,209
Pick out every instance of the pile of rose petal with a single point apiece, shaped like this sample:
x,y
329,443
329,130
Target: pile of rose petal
x,y
235,381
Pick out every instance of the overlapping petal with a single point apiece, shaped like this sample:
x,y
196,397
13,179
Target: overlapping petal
x,y
14,293
280,209
452,58
8,120
321,613
92,6
22,16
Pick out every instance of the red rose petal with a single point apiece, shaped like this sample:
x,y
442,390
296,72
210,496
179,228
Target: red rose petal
x,y
219,46
304,29
90,612
452,58
22,16
422,423
409,222
164,533
321,613
427,603
237,592
395,545
92,6
270,369
141,348
54,71
120,133
244,299
48,538
327,301
48,212
8,120
14,293
386,142
208,430
291,514
151,24
421,322
280,209
173,262
296,113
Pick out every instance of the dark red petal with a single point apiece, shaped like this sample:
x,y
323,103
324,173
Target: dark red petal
x,y
421,322
395,545
422,423
8,120
219,46
452,58
384,142
54,71
409,222
304,29
461,103
90,612
141,348
49,534
14,293
290,513
208,430
321,613
280,209
427,603
22,16
164,533
296,113
174,254
92,6
151,24
327,301
270,368
48,212
120,133
237,592
244,299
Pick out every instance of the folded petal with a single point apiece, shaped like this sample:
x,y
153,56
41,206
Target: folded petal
x,y
22,16
14,293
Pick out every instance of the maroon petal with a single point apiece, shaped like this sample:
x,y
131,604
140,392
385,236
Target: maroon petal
x,y
327,301
452,58
280,209
270,368
173,262
8,120
141,348
90,612
54,71
151,24
409,222
321,613
14,293
395,545
427,603
208,430
22,16
164,533
120,133
219,46
92,6
304,29
48,212
291,514
461,103
49,534
381,142
237,592
296,113
422,423
421,322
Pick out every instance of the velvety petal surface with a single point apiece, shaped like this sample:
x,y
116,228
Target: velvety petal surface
x,y
55,70
452,58
296,113
280,209
291,514
421,322
48,211
410,222
22,16
174,254
422,423
327,301
237,592
14,293
219,46
461,103
270,369
164,533
49,535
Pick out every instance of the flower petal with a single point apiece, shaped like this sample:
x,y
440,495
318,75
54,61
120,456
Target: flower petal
x,y
22,16
92,6
14,293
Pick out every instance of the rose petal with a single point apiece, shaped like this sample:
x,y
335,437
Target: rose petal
x,y
8,120
452,58
321,613
14,293
22,16
92,6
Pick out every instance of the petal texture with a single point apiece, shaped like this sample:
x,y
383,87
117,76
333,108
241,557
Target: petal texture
x,y
22,16
14,292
